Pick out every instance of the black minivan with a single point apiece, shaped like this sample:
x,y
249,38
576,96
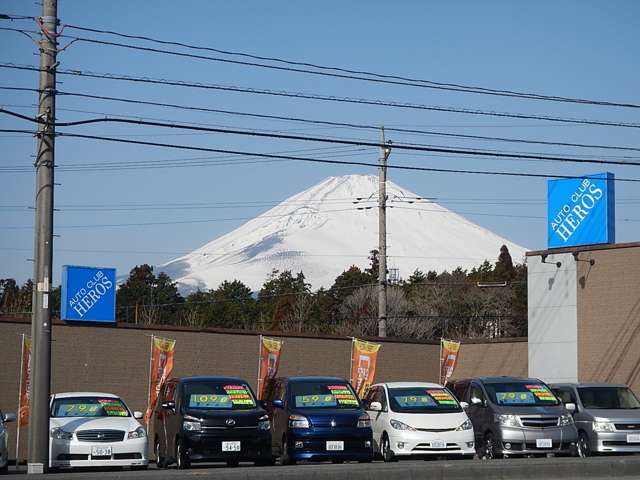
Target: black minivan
x,y
210,419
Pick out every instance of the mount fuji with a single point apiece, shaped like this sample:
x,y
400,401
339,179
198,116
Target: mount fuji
x,y
325,229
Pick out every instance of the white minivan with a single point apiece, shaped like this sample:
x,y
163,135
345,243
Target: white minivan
x,y
412,419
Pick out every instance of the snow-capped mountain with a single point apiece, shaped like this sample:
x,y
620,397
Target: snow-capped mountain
x,y
325,229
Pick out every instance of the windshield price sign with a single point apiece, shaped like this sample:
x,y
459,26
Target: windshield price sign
x,y
88,294
581,210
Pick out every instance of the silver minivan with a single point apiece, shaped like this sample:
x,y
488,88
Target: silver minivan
x,y
607,416
514,416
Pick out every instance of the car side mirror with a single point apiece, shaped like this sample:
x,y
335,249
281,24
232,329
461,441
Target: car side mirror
x,y
138,415
277,403
169,405
375,406
476,401
571,407
9,417
464,405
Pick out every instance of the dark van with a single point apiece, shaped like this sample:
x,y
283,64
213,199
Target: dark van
x,y
318,419
210,419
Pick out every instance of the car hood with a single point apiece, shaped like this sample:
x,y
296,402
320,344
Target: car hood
x,y
323,417
429,420
551,410
71,424
219,417
631,415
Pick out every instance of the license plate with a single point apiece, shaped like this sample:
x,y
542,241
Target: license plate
x,y
543,443
438,444
230,446
335,446
633,438
101,451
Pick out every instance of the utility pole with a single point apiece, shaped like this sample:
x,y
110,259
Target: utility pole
x,y
385,150
38,457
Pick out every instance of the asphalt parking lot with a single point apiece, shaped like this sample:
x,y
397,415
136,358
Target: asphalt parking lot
x,y
539,468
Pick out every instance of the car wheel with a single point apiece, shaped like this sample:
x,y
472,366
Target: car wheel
x,y
182,460
285,454
489,447
584,448
386,452
160,461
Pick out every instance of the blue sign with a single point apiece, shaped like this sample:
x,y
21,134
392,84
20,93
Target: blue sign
x,y
88,294
581,210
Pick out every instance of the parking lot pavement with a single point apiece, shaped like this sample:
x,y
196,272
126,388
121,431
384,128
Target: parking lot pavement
x,y
547,468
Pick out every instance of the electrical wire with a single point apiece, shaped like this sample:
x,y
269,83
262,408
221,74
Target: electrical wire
x,y
359,143
328,98
315,121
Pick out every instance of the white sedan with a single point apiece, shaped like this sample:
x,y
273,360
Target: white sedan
x,y
90,429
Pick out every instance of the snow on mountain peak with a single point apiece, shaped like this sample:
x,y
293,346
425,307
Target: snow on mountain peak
x,y
325,229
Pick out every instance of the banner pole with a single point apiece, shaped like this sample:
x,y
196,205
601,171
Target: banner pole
x,y
259,365
353,342
19,401
150,365
440,363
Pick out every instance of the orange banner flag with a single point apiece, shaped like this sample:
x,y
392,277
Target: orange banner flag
x,y
162,350
364,356
25,382
270,350
449,353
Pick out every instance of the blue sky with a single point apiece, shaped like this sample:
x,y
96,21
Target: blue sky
x,y
574,48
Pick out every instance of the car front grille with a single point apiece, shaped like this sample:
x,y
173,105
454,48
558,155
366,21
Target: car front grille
x,y
100,435
539,422
436,430
425,447
627,426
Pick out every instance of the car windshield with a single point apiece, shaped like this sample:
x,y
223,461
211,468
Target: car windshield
x,y
323,395
89,407
522,394
422,400
610,398
218,396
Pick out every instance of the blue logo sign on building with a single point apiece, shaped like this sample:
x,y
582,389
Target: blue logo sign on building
x,y
88,294
581,210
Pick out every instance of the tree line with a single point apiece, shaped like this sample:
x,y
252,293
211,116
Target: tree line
x,y
487,301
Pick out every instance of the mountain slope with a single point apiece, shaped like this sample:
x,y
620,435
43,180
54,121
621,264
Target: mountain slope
x,y
333,225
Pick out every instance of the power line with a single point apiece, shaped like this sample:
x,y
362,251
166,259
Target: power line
x,y
317,122
329,98
359,143
377,77
326,161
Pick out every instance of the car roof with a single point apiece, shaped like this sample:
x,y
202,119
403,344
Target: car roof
x,y
313,378
84,394
204,378
597,385
410,384
505,379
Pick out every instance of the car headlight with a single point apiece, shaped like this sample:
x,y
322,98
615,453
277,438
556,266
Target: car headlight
x,y
139,432
60,434
401,426
298,421
565,420
467,425
191,426
364,421
508,420
603,427
264,423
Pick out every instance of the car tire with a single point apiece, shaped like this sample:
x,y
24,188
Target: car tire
x,y
584,447
385,450
285,455
160,460
4,470
489,448
182,459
